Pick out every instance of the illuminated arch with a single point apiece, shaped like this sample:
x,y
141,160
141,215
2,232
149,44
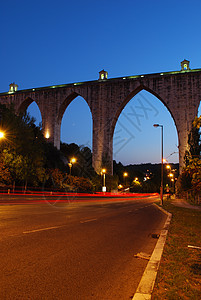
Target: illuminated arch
x,y
64,108
66,103
199,110
135,129
127,100
25,104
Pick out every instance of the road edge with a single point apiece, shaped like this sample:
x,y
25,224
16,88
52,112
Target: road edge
x,y
146,285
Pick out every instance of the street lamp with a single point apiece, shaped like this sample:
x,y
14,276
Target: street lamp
x,y
70,164
125,175
2,135
161,189
103,172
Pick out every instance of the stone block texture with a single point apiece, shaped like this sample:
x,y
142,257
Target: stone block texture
x,y
179,91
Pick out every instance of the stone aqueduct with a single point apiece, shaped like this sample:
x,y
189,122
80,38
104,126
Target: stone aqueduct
x,y
179,91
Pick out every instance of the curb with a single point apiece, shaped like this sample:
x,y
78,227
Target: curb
x,y
146,285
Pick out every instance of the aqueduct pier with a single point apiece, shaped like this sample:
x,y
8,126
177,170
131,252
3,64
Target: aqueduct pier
x,y
179,91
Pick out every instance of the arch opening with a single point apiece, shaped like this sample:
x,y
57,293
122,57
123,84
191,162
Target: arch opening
x,y
76,121
34,112
199,110
135,140
199,115
32,108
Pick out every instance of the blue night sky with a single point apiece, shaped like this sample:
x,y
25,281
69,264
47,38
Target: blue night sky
x,y
56,42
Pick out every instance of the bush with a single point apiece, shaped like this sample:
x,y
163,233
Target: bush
x,y
62,182
80,184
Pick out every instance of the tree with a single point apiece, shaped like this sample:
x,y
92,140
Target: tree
x,y
194,145
190,178
197,122
23,149
83,166
5,175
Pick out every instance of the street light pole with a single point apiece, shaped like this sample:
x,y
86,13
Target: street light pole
x,y
70,164
161,188
103,171
161,164
125,176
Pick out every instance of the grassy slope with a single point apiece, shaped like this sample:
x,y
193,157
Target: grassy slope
x,y
179,275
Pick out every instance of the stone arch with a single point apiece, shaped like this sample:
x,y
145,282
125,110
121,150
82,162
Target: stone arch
x,y
199,110
127,100
66,103
62,108
25,104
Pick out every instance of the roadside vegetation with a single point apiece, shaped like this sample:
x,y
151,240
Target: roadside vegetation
x,y
179,275
29,161
189,183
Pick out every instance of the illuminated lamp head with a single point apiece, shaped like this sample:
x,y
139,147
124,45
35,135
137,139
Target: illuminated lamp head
x,y
2,134
47,135
73,160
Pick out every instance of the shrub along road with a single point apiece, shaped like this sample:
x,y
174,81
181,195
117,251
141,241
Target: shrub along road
x,y
179,275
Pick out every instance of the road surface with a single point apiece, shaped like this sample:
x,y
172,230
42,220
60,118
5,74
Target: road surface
x,y
75,250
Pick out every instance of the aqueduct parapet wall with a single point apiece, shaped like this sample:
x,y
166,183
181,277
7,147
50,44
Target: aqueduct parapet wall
x,y
180,92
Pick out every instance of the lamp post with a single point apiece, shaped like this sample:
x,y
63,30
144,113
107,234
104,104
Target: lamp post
x,y
125,175
171,178
103,172
161,189
70,164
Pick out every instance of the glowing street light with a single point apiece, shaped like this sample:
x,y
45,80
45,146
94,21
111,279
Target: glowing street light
x,y
70,164
171,175
103,172
162,160
125,175
2,135
73,160
47,135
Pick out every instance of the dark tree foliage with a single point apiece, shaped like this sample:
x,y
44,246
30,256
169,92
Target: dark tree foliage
x,y
190,178
194,145
24,150
83,166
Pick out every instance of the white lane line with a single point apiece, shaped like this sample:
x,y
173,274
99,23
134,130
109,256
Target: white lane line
x,y
146,285
85,221
130,211
41,229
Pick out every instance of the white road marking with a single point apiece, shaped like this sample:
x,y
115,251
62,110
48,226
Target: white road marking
x,y
130,211
85,221
146,285
41,229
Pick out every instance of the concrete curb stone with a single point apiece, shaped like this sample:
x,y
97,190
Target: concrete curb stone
x,y
146,285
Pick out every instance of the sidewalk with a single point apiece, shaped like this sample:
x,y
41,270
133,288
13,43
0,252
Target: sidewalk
x,y
183,203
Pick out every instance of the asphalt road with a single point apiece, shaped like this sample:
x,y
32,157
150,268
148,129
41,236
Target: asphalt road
x,y
76,250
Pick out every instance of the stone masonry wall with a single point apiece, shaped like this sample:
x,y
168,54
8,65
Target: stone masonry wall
x,y
180,93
